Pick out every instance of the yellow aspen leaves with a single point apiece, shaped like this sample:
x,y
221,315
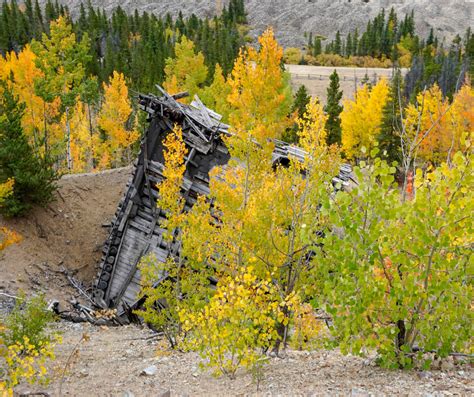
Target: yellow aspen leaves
x,y
235,325
113,118
260,97
187,71
170,200
39,115
312,133
7,236
82,143
215,96
361,119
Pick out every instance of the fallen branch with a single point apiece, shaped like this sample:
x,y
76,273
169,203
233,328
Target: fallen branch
x,y
78,286
9,296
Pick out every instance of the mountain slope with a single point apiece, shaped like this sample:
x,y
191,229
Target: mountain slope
x,y
291,18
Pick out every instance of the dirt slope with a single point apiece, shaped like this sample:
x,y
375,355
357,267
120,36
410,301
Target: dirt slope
x,y
68,233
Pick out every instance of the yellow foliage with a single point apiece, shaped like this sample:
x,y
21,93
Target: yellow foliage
x,y
362,117
112,119
260,96
170,199
292,56
25,347
237,323
7,237
24,362
82,143
354,61
312,132
215,96
6,189
38,113
307,328
187,71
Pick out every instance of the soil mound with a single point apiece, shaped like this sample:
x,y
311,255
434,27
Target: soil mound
x,y
67,235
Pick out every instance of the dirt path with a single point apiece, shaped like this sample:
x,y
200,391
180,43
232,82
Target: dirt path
x,y
67,234
110,363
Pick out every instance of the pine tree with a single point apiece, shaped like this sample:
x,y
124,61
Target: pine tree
x,y
34,177
338,44
389,138
300,102
470,53
317,48
333,109
349,46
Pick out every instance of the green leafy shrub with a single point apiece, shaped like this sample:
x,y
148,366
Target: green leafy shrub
x,y
26,345
29,318
396,277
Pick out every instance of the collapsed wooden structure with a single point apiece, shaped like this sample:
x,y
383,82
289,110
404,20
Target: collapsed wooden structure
x,y
136,229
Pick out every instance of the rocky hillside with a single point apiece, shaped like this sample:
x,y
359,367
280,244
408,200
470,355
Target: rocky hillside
x,y
291,18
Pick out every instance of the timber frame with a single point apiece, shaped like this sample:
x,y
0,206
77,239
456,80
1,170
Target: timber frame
x,y
136,228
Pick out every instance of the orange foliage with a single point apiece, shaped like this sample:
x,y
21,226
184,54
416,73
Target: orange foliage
x,y
443,124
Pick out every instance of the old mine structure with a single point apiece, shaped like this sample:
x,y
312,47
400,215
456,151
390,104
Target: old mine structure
x,y
136,230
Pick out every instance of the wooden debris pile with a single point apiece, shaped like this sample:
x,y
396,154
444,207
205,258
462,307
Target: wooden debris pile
x,y
136,229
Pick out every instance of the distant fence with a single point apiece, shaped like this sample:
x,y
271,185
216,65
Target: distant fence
x,y
373,78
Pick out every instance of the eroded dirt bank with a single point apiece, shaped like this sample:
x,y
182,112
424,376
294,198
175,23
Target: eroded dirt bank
x,y
67,234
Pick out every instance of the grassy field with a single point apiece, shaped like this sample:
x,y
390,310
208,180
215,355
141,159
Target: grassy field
x,y
316,78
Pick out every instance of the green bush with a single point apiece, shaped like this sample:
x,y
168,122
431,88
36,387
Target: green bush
x,y
29,318
395,278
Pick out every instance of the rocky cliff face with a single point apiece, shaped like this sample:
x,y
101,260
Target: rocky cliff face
x,y
292,18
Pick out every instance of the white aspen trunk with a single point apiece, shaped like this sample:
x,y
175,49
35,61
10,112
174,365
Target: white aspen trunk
x,y
68,141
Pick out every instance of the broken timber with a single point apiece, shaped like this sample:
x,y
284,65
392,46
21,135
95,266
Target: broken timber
x,y
136,230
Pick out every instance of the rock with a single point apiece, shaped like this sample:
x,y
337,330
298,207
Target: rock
x,y
128,394
149,371
447,364
359,392
291,19
424,375
83,373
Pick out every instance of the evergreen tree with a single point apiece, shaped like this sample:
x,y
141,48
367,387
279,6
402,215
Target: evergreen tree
x,y
34,177
300,101
469,51
317,48
338,44
389,137
333,109
349,46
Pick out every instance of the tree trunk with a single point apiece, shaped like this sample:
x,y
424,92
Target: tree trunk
x,y
68,141
46,148
91,132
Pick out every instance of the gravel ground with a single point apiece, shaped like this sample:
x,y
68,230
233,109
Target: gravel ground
x,y
110,363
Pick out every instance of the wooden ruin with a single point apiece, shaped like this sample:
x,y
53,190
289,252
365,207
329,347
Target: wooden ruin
x,y
136,229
